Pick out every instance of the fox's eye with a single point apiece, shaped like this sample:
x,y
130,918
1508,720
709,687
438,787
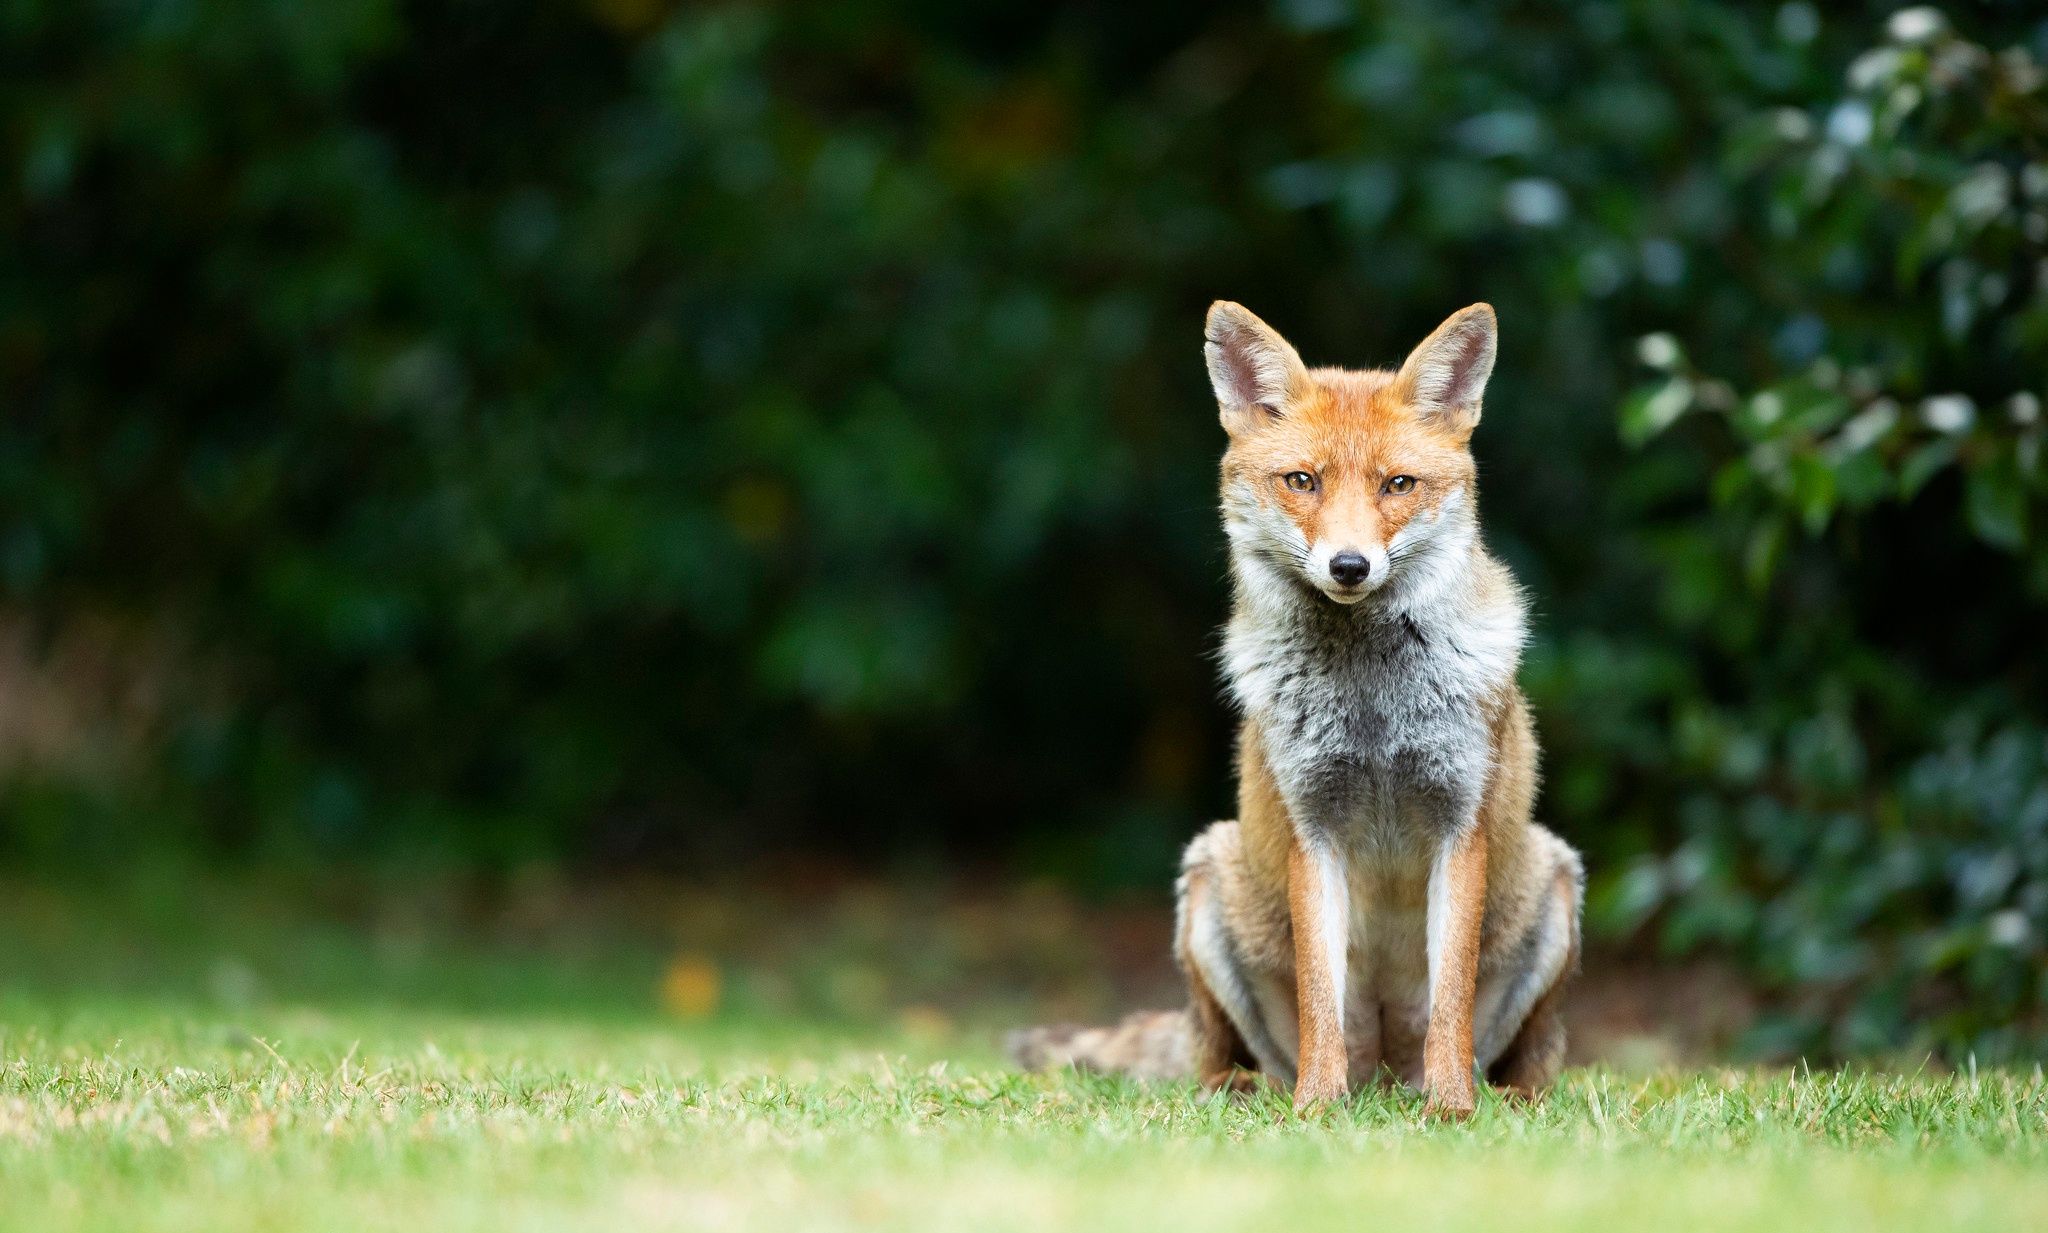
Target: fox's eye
x,y
1401,483
1299,481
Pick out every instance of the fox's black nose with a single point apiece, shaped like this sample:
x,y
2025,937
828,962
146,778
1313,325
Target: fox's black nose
x,y
1349,568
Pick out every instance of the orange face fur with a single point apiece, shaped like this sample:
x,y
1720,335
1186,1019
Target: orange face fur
x,y
1343,478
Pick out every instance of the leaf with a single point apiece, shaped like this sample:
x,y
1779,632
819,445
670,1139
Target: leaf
x,y
1923,465
1760,558
1808,408
1653,408
1813,492
1862,480
1730,482
1997,506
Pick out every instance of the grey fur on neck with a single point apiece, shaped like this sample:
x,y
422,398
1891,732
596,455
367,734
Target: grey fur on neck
x,y
1375,717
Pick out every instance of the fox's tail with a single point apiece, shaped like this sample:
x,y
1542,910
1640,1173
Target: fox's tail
x,y
1148,1044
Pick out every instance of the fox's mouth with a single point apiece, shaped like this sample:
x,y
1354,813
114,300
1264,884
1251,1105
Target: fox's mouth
x,y
1346,595
1346,575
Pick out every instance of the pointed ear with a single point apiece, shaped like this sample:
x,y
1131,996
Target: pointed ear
x,y
1445,377
1257,375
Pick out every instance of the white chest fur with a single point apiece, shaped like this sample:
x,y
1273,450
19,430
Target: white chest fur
x,y
1374,719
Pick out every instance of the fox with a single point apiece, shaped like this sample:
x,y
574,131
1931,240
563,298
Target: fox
x,y
1384,907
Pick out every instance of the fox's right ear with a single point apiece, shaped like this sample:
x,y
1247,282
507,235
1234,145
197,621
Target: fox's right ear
x,y
1257,375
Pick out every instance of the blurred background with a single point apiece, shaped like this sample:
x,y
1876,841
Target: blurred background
x,y
742,474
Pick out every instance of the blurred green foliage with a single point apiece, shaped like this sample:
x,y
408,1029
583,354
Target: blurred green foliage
x,y
1867,799
628,432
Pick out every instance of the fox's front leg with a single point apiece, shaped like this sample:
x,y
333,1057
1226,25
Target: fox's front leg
x,y
1319,902
1457,905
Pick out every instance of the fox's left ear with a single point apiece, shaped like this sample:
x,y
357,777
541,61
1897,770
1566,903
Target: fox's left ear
x,y
1446,376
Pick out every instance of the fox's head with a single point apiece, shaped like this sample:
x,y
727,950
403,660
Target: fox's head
x,y
1348,481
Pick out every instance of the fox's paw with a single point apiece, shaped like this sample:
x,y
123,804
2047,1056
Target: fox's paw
x,y
1312,1097
1235,1082
1447,1104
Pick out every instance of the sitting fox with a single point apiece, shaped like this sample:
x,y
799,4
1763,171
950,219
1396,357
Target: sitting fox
x,y
1383,903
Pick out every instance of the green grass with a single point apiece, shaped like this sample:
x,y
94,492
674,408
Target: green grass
x,y
122,1114
207,1056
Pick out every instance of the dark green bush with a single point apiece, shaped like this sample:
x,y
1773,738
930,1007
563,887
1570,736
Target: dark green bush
x,y
628,432
1867,810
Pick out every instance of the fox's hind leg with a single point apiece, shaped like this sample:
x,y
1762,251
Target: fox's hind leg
x,y
1220,1056
1532,1061
1231,1001
1532,993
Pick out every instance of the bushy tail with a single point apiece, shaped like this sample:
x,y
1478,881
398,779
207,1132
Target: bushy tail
x,y
1148,1044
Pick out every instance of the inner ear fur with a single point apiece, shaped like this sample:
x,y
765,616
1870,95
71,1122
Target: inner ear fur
x,y
1256,373
1445,377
